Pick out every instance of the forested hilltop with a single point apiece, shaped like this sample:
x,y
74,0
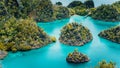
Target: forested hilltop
x,y
40,10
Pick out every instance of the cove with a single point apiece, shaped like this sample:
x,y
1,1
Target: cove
x,y
54,55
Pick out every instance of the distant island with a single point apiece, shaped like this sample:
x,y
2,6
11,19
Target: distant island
x,y
75,34
112,34
104,13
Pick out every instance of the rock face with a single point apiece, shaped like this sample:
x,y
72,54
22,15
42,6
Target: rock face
x,y
2,54
77,57
112,34
104,13
75,34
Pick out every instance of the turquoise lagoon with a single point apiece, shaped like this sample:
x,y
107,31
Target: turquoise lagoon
x,y
54,55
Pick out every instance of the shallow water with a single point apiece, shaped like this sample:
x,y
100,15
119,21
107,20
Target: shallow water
x,y
54,55
97,2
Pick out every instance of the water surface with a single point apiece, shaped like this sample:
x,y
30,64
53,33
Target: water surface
x,y
54,55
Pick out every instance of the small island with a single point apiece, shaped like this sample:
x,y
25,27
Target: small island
x,y
75,34
112,34
104,64
76,57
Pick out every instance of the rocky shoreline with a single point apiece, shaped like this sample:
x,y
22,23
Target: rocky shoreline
x,y
3,54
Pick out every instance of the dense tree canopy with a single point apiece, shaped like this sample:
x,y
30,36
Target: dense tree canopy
x,y
117,5
76,57
106,13
58,3
89,3
112,34
104,64
75,4
75,34
22,35
60,12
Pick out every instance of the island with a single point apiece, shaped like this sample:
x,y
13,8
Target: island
x,y
104,64
75,34
22,35
76,57
104,13
112,34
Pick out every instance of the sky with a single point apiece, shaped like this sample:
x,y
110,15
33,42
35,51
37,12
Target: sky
x,y
97,2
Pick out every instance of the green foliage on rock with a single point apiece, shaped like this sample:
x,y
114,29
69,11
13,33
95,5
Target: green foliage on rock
x,y
117,5
21,35
76,57
78,7
104,13
75,34
75,4
80,10
89,4
44,11
58,3
104,64
112,34
60,12
40,10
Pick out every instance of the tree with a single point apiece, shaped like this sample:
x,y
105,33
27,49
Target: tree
x,y
89,3
75,4
58,3
104,64
104,13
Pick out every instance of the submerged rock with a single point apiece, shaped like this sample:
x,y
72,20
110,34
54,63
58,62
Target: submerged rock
x,y
75,34
76,57
112,34
3,54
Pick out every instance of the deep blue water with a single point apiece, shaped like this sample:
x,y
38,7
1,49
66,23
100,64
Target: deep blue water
x,y
54,55
97,2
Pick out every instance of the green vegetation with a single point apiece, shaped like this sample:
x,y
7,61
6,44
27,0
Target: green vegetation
x,y
89,4
44,11
75,34
60,12
53,39
112,34
117,5
76,57
104,13
78,7
58,3
75,4
22,35
104,64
